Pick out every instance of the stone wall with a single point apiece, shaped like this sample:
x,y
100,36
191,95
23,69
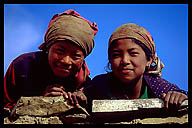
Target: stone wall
x,y
55,110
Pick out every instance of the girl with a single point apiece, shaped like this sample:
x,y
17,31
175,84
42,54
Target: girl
x,y
135,70
59,68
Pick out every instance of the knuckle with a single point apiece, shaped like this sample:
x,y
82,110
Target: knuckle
x,y
166,100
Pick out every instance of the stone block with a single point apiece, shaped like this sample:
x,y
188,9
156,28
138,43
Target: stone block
x,y
168,120
35,120
125,105
42,106
55,110
128,110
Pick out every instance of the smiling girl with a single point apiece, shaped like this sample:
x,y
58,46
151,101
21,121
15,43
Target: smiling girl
x,y
135,70
59,68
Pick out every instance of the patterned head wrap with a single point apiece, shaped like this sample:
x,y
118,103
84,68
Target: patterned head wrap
x,y
137,32
69,25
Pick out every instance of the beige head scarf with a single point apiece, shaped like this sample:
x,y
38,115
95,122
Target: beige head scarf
x,y
137,32
69,25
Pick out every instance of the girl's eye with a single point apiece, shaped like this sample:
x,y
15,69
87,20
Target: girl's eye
x,y
134,53
59,51
114,55
77,56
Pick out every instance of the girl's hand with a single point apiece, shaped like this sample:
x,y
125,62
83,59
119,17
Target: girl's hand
x,y
74,98
173,100
55,90
77,98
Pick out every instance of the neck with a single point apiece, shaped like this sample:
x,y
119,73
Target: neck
x,y
134,89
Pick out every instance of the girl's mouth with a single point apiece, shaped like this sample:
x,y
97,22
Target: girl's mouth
x,y
126,70
63,69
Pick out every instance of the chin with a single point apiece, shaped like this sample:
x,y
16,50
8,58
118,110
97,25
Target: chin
x,y
61,74
125,80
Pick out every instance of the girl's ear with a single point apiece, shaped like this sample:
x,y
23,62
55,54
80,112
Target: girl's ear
x,y
149,62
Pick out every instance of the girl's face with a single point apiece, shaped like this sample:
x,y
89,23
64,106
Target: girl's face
x,y
128,60
65,58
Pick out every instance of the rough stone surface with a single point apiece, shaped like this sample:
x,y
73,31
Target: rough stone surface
x,y
74,119
42,106
125,105
7,121
54,110
128,105
45,110
35,120
168,120
128,110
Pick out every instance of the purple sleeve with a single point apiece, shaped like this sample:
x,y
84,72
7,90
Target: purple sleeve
x,y
159,85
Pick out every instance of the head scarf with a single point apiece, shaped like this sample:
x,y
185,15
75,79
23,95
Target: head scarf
x,y
137,32
69,25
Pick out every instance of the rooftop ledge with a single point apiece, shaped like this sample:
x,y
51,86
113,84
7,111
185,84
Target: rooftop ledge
x,y
55,110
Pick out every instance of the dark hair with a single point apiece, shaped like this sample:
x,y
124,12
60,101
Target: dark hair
x,y
145,49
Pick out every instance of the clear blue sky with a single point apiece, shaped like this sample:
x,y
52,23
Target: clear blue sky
x,y
25,26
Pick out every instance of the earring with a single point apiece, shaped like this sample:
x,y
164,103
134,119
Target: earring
x,y
46,51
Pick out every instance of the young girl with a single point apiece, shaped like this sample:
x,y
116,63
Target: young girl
x,y
135,70
59,68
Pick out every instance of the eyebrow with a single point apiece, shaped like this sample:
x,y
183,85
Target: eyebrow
x,y
63,48
115,50
132,49
60,47
118,50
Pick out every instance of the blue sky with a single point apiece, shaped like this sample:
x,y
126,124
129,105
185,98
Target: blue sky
x,y
25,26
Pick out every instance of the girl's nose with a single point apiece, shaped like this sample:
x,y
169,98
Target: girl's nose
x,y
125,59
66,60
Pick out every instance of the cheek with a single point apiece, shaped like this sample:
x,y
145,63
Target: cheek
x,y
52,58
140,64
77,65
114,64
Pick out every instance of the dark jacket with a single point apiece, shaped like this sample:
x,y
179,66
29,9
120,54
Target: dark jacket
x,y
106,86
29,75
